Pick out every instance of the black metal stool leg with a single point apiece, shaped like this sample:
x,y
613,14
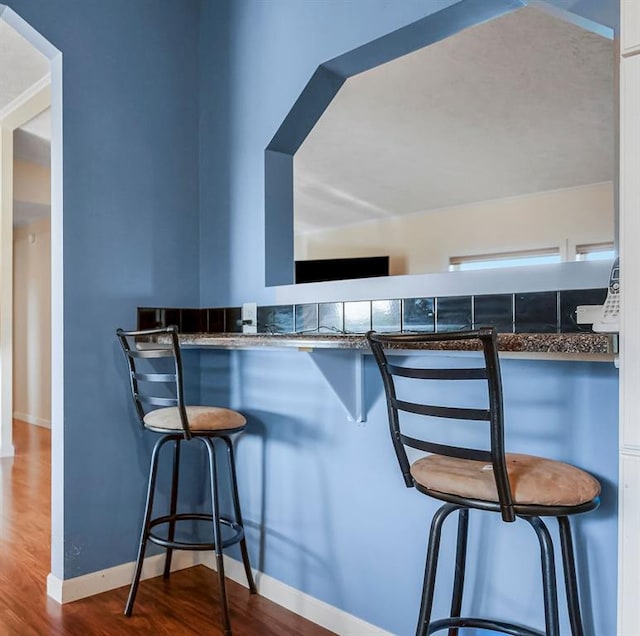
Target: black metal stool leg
x,y
173,507
570,580
461,559
548,576
238,514
217,534
431,566
151,487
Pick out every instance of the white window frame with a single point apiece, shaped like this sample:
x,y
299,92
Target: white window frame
x,y
583,251
503,259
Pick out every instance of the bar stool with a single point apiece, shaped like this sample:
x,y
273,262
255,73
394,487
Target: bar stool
x,y
515,486
155,374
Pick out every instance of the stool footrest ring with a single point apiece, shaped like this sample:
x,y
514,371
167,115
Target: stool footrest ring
x,y
237,536
483,623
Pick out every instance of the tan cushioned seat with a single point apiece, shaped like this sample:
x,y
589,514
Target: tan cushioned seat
x,y
534,480
201,418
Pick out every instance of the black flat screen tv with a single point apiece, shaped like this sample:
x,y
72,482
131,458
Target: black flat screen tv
x,y
325,269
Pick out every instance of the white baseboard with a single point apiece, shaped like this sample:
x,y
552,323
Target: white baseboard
x,y
309,607
32,419
104,580
314,610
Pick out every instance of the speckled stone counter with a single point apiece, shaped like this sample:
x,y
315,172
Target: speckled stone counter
x,y
591,344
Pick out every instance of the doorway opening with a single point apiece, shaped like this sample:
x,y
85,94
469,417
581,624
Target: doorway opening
x,y
31,83
32,271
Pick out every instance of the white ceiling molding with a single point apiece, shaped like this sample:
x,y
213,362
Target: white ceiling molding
x,y
21,64
24,97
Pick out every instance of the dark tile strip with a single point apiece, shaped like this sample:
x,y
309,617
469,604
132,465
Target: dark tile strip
x,y
531,312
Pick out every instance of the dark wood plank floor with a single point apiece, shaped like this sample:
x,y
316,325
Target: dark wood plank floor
x,y
186,604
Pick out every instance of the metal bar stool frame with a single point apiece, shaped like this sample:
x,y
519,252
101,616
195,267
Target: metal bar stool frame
x,y
153,344
485,341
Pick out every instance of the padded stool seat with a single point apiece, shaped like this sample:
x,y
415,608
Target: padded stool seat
x,y
523,487
535,481
156,379
201,419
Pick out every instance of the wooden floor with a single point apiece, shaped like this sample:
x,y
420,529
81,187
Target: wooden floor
x,y
186,604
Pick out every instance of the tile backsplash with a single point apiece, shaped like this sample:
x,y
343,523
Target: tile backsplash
x,y
275,319
330,317
357,316
386,315
454,313
570,299
535,312
494,309
306,318
419,314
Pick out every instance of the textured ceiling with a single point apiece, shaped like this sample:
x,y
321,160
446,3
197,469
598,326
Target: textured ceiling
x,y
21,65
518,105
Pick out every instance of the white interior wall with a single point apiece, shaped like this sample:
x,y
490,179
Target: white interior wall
x,y
32,323
424,242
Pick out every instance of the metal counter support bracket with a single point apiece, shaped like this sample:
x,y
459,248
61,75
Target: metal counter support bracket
x,y
344,371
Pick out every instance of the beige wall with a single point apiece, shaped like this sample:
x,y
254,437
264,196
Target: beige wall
x,y
31,182
424,242
32,322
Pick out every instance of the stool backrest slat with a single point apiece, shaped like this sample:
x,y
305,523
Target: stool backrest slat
x,y
484,340
152,387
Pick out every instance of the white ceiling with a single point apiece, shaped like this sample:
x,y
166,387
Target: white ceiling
x,y
518,105
22,66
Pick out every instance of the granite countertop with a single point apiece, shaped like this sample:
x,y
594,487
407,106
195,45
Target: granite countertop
x,y
538,343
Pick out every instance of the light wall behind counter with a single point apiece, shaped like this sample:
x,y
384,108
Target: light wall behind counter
x,y
32,322
424,242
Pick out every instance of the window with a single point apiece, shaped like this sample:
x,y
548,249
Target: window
x,y
595,252
506,259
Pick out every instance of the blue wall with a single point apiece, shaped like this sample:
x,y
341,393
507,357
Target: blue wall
x,y
323,496
273,51
130,236
163,204
328,512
